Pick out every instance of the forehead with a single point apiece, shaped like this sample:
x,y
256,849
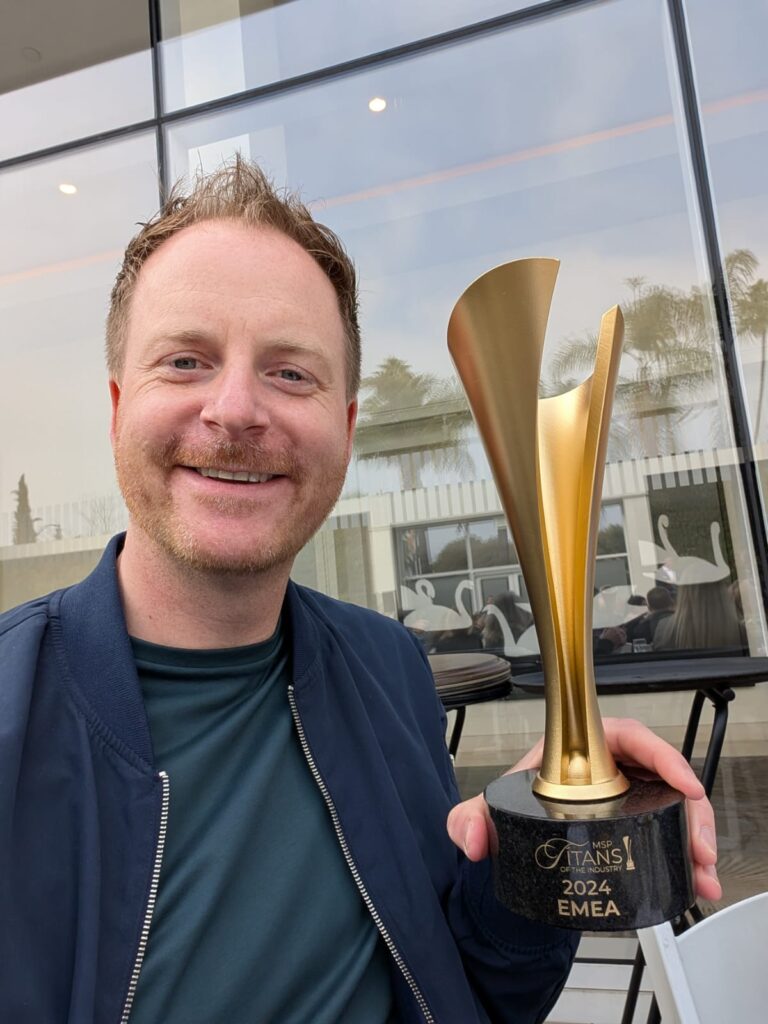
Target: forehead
x,y
226,269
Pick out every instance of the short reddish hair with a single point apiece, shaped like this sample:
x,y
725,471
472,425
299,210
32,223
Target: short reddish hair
x,y
239,191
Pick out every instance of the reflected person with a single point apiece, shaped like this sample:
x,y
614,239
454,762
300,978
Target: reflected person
x,y
660,605
504,621
705,616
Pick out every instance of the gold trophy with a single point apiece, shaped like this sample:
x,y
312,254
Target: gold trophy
x,y
579,844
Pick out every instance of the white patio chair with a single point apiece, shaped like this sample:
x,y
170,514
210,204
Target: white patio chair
x,y
717,971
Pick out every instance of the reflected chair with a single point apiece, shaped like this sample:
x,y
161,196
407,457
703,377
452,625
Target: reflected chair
x,y
714,973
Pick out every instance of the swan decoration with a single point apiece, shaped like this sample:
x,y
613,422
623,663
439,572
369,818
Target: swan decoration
x,y
423,614
610,607
411,599
528,642
685,569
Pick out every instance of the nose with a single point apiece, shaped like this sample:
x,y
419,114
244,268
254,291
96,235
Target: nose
x,y
235,405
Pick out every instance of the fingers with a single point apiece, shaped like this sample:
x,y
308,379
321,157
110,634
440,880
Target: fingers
x,y
634,744
701,828
468,826
705,882
703,839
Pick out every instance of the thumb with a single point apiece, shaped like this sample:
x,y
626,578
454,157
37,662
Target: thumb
x,y
469,825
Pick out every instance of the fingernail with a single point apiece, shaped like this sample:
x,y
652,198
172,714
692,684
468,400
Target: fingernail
x,y
711,870
707,836
466,838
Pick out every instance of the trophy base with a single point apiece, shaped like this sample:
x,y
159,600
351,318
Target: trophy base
x,y
608,866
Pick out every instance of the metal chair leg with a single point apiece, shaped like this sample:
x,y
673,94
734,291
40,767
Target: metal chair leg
x,y
693,725
654,1016
720,700
458,725
630,1003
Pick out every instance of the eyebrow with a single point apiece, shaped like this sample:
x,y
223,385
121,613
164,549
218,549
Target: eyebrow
x,y
297,349
183,336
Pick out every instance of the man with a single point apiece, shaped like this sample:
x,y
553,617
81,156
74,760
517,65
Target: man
x,y
660,606
224,797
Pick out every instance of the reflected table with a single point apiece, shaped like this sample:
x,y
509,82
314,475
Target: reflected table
x,y
464,679
710,678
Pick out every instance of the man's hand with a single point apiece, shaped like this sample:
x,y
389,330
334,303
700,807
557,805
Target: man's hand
x,y
632,744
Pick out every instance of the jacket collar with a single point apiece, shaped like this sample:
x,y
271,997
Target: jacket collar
x,y
98,653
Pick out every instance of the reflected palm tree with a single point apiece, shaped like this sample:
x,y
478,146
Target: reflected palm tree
x,y
669,356
749,298
413,421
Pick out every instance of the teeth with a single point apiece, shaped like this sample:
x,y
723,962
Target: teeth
x,y
241,475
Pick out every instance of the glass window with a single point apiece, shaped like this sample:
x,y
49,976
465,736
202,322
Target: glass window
x,y
72,71
448,596
57,266
434,549
490,543
486,152
216,48
610,537
612,572
438,605
494,586
732,81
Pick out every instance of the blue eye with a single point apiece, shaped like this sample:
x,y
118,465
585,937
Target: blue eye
x,y
184,363
292,375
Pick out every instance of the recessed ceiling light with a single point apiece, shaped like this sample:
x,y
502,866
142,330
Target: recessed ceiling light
x,y
377,104
67,189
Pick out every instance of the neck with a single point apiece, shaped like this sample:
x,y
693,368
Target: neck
x,y
166,602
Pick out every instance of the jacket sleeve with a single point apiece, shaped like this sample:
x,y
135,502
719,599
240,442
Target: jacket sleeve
x,y
517,967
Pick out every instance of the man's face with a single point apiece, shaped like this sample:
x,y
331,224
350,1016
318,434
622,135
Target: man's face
x,y
234,364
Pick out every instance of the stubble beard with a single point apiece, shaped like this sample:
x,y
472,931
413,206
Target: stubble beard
x,y
157,516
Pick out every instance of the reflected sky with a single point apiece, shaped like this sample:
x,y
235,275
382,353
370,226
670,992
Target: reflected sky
x,y
54,287
204,58
556,138
734,95
77,105
735,121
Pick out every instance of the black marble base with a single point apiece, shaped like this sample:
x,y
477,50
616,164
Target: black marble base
x,y
608,866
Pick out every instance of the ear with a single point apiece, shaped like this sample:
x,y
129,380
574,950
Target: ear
x,y
114,395
351,423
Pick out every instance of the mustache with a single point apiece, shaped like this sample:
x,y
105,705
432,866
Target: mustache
x,y
250,455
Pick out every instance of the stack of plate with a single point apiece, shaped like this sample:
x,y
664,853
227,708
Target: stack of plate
x,y
467,678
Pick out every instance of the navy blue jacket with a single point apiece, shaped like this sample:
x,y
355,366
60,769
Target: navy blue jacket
x,y
81,808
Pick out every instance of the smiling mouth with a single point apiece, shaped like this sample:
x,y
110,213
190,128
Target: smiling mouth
x,y
236,476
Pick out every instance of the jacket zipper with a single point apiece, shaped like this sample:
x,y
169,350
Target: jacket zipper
x,y
144,937
396,956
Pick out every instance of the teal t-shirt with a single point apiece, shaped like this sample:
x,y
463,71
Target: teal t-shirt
x,y
258,919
